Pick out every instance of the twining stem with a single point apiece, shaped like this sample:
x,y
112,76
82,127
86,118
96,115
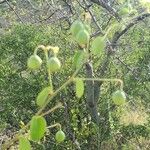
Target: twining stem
x,y
59,105
55,125
48,70
103,79
39,47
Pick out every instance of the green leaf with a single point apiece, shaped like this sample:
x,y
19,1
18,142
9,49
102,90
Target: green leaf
x,y
42,96
24,143
37,128
98,45
79,87
78,59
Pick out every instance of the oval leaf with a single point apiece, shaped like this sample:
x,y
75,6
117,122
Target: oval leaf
x,y
76,27
98,45
24,143
79,88
37,128
42,96
78,59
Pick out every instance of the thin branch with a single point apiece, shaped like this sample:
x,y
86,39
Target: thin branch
x,y
130,69
3,1
59,105
69,5
14,10
131,24
109,8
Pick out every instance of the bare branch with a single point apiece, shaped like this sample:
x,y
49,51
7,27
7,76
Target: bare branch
x,y
3,1
131,24
14,11
109,8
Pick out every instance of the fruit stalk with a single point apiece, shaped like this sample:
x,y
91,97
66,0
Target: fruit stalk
x,y
49,72
103,79
55,125
59,105
39,47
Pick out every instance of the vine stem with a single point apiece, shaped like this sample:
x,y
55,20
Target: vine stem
x,y
48,70
55,125
59,105
39,47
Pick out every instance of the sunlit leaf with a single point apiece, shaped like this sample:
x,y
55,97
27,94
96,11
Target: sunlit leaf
x,y
79,88
24,143
78,59
42,96
37,128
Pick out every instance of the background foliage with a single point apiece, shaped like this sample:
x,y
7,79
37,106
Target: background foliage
x,y
26,24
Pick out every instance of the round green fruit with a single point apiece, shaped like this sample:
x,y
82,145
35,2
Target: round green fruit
x,y
119,97
53,64
83,37
60,136
34,62
76,27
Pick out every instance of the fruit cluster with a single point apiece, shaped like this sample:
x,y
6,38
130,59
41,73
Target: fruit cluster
x,y
38,124
53,63
81,32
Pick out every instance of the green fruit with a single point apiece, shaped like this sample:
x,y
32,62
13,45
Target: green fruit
x,y
83,37
24,144
60,136
42,96
98,45
34,62
53,64
76,27
37,128
119,97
